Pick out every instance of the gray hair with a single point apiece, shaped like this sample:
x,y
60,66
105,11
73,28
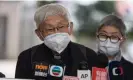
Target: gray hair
x,y
113,20
50,10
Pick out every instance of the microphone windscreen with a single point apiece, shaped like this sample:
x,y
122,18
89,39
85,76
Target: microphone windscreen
x,y
99,73
83,65
84,74
115,71
40,70
103,60
2,75
56,72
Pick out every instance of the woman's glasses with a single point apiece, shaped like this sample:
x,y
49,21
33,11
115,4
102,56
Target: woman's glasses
x,y
104,37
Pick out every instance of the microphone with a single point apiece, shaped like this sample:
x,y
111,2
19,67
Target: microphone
x,y
53,71
115,71
103,59
44,71
57,59
56,70
99,73
70,78
2,75
83,73
40,70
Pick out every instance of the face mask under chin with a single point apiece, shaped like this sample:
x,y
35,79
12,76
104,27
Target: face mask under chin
x,y
57,42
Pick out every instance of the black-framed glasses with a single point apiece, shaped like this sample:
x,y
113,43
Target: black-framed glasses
x,y
104,37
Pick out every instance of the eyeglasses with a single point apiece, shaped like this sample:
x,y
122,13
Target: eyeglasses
x,y
52,29
104,37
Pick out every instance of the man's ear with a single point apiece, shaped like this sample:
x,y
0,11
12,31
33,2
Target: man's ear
x,y
70,28
38,33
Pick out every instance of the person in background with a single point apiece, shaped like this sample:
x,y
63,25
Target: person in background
x,y
54,28
111,35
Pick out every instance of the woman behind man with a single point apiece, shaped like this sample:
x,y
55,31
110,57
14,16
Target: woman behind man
x,y
110,38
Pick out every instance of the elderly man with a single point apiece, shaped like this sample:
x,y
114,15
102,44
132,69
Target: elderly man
x,y
54,28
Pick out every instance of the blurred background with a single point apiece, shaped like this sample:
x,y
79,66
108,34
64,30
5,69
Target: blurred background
x,y
17,26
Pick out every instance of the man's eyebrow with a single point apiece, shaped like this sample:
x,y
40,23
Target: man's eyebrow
x,y
63,22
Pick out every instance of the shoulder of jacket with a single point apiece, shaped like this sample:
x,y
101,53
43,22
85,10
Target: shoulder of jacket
x,y
27,52
78,45
82,46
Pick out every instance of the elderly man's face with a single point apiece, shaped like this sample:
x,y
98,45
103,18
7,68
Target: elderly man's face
x,y
54,24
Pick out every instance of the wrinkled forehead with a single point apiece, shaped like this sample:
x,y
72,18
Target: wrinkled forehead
x,y
56,19
53,21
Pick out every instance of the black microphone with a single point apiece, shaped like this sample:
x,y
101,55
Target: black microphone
x,y
102,59
115,71
2,75
83,65
40,70
83,72
57,69
57,59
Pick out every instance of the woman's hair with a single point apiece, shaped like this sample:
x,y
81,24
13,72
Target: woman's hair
x,y
113,20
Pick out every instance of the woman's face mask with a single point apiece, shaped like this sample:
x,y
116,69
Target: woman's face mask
x,y
108,48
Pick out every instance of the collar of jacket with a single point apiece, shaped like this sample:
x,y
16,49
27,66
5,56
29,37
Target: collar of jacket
x,y
116,58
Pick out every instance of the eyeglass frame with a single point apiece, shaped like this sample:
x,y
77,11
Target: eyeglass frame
x,y
54,28
109,38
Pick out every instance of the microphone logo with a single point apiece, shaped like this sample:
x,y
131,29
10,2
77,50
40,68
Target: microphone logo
x,y
117,71
41,69
99,73
84,74
56,71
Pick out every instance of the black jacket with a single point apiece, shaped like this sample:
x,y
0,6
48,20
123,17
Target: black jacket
x,y
127,69
71,57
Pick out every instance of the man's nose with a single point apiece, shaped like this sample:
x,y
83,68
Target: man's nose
x,y
56,30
